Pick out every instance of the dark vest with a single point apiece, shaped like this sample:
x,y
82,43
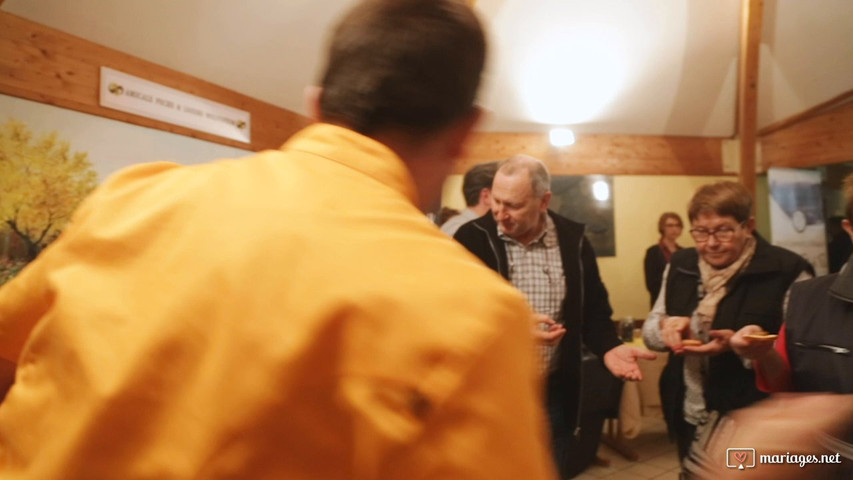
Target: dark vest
x,y
755,296
819,336
819,339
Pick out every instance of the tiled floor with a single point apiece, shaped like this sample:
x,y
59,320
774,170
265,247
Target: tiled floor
x,y
658,458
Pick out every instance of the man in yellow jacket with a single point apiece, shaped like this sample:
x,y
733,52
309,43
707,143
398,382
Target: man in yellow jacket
x,y
290,315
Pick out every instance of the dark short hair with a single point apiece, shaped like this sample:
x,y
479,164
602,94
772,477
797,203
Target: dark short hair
x,y
666,216
410,65
726,199
848,196
476,179
445,214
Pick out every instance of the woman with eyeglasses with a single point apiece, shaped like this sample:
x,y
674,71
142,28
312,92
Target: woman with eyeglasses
x,y
658,255
732,278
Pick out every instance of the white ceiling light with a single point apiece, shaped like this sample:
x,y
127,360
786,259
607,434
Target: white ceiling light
x,y
561,137
571,76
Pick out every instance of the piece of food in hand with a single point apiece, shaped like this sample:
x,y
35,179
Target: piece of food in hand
x,y
690,342
761,336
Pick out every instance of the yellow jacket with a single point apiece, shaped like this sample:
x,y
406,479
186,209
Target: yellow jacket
x,y
290,315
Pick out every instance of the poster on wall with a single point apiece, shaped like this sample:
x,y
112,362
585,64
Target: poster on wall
x,y
796,214
588,199
52,158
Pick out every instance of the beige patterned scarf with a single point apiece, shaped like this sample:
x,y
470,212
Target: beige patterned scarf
x,y
715,281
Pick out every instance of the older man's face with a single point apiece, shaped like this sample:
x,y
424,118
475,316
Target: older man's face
x,y
518,212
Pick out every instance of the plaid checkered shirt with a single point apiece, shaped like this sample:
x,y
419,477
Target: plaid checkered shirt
x,y
537,271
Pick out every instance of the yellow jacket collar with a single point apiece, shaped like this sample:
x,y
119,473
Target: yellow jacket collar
x,y
364,154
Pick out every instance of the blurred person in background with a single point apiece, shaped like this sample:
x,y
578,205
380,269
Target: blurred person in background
x,y
445,214
658,255
732,278
840,245
814,349
292,314
477,189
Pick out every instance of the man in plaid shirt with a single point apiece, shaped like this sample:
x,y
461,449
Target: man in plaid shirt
x,y
549,259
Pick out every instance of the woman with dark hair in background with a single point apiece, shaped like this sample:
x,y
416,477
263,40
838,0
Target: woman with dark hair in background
x,y
657,256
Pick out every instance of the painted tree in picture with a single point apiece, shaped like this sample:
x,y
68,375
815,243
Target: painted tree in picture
x,y
41,184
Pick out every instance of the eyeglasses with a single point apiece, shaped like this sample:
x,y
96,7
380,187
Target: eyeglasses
x,y
722,234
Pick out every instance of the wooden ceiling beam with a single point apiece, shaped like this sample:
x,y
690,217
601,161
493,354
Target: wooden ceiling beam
x,y
827,106
752,13
603,154
819,140
49,66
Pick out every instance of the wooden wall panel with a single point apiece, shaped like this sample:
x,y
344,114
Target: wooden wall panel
x,y
604,154
820,140
49,66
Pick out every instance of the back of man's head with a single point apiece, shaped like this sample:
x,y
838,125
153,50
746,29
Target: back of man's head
x,y
476,179
409,65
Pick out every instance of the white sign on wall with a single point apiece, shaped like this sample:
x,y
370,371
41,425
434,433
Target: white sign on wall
x,y
131,94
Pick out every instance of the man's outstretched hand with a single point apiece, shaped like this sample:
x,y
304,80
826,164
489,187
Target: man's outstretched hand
x,y
622,361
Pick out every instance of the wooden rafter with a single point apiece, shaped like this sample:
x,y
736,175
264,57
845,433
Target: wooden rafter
x,y
747,109
821,139
834,103
605,154
46,65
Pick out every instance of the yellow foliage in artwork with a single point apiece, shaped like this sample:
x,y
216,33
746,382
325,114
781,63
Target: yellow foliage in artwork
x,y
41,184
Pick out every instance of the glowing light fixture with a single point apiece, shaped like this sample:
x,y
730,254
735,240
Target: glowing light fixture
x,y
571,76
601,191
561,137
